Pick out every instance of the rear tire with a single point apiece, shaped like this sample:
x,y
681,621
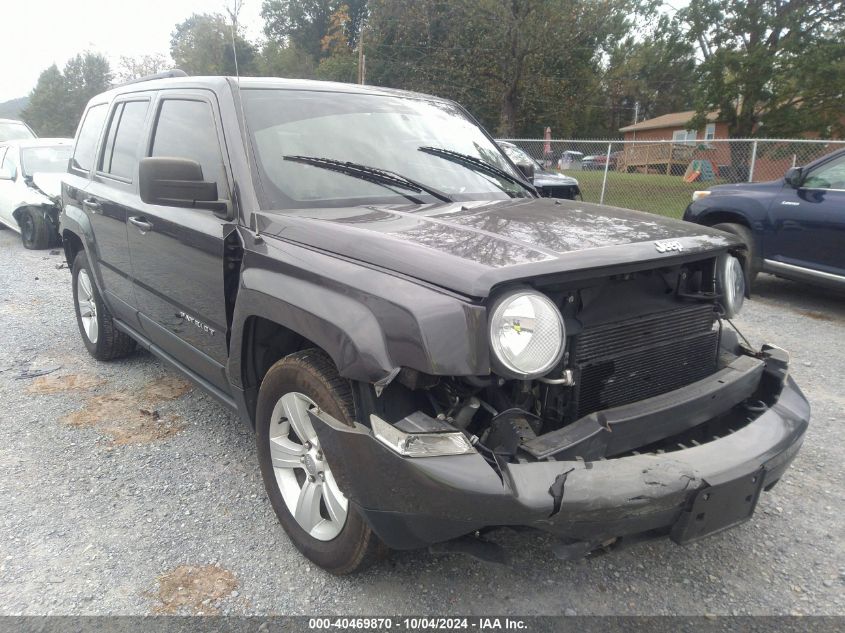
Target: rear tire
x,y
752,264
96,325
36,234
332,535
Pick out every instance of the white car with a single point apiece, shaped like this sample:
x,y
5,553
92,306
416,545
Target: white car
x,y
31,187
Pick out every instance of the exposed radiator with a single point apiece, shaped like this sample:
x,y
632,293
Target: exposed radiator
x,y
631,360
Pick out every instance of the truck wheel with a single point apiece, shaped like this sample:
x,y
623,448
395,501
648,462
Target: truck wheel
x,y
316,515
35,232
102,339
744,234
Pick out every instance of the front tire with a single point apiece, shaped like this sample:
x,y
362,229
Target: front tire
x,y
753,264
96,325
316,515
36,234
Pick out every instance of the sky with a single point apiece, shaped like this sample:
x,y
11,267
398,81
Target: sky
x,y
43,32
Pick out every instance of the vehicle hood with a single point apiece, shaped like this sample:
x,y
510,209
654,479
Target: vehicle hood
x,y
551,179
48,183
770,186
471,247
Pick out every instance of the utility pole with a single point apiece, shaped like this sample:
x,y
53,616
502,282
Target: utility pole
x,y
362,59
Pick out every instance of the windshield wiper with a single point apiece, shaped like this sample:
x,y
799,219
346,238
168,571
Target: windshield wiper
x,y
476,164
370,174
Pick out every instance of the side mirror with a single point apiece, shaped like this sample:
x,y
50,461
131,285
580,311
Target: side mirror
x,y
527,170
9,175
794,177
178,182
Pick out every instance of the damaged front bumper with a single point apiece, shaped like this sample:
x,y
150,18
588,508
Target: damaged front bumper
x,y
687,494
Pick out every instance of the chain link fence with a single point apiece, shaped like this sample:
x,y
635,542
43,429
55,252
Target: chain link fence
x,y
660,176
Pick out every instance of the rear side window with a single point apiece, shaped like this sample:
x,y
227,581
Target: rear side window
x,y
185,129
86,140
120,154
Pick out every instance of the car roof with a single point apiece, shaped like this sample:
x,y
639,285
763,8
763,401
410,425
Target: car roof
x,y
37,142
220,82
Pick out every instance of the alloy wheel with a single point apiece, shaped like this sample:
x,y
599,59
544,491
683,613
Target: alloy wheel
x,y
87,305
305,480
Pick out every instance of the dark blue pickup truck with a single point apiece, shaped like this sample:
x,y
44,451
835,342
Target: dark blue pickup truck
x,y
793,227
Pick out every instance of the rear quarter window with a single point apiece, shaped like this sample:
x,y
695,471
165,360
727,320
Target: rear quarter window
x,y
86,139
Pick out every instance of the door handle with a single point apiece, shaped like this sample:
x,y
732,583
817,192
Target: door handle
x,y
141,223
92,204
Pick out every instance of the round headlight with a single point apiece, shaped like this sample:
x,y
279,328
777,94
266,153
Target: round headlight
x,y
730,279
526,334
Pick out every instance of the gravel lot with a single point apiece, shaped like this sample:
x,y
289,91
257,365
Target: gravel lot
x,y
123,491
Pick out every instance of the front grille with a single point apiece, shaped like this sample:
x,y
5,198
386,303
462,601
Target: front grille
x,y
626,361
568,192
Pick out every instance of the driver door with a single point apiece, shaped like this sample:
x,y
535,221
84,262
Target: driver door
x,y
808,222
177,253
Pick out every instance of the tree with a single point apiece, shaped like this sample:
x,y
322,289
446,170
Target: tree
x,y
278,60
59,98
770,67
202,45
86,75
304,23
518,65
650,75
46,111
136,67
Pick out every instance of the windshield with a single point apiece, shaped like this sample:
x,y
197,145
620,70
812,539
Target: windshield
x,y
50,159
519,156
13,131
383,132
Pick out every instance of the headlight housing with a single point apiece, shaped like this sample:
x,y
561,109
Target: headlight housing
x,y
527,334
698,195
730,283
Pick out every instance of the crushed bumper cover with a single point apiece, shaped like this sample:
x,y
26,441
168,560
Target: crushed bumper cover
x,y
415,502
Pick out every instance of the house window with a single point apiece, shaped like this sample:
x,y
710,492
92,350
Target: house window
x,y
684,136
710,132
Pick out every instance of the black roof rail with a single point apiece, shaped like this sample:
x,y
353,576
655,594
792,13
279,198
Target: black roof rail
x,y
173,72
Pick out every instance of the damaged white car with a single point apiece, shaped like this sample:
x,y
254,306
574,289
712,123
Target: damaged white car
x,y
31,187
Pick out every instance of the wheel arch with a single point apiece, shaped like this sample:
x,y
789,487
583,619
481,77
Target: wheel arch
x,y
76,233
724,216
72,245
266,329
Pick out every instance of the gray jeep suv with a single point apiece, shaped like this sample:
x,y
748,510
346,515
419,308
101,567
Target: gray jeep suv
x,y
423,347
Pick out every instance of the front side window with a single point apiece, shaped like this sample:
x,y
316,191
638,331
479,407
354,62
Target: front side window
x,y
831,175
120,155
409,136
45,159
185,129
86,139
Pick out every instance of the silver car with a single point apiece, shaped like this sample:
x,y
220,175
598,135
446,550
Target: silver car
x,y
30,188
